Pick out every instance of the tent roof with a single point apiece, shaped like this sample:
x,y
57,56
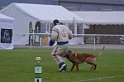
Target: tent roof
x,y
45,13
5,18
101,17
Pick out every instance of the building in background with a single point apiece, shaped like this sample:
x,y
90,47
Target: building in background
x,y
93,5
75,5
4,3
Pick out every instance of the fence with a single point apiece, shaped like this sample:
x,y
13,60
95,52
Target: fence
x,y
42,39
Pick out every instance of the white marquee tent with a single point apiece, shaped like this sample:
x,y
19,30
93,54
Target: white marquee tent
x,y
25,14
6,32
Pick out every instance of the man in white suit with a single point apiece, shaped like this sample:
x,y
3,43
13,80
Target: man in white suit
x,y
61,34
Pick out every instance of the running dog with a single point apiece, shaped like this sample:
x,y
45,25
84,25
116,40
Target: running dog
x,y
77,58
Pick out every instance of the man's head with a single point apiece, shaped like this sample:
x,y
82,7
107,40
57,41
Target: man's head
x,y
55,22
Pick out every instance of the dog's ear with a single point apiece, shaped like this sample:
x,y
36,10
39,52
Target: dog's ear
x,y
69,52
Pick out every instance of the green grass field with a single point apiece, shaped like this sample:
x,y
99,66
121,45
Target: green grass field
x,y
18,66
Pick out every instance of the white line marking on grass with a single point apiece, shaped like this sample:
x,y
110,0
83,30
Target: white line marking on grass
x,y
101,78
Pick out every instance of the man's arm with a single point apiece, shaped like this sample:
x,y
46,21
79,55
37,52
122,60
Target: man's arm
x,y
54,36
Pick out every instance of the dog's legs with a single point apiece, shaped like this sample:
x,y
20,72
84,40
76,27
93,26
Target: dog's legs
x,y
93,66
91,61
77,67
72,66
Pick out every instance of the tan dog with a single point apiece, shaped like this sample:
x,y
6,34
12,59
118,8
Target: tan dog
x,y
77,58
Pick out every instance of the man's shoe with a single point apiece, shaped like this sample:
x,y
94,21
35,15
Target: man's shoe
x,y
63,71
62,67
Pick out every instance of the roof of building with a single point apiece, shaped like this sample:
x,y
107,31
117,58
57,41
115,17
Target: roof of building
x,y
101,17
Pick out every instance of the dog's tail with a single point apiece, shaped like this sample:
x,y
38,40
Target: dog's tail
x,y
101,52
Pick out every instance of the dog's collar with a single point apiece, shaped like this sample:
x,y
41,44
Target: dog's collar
x,y
75,54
